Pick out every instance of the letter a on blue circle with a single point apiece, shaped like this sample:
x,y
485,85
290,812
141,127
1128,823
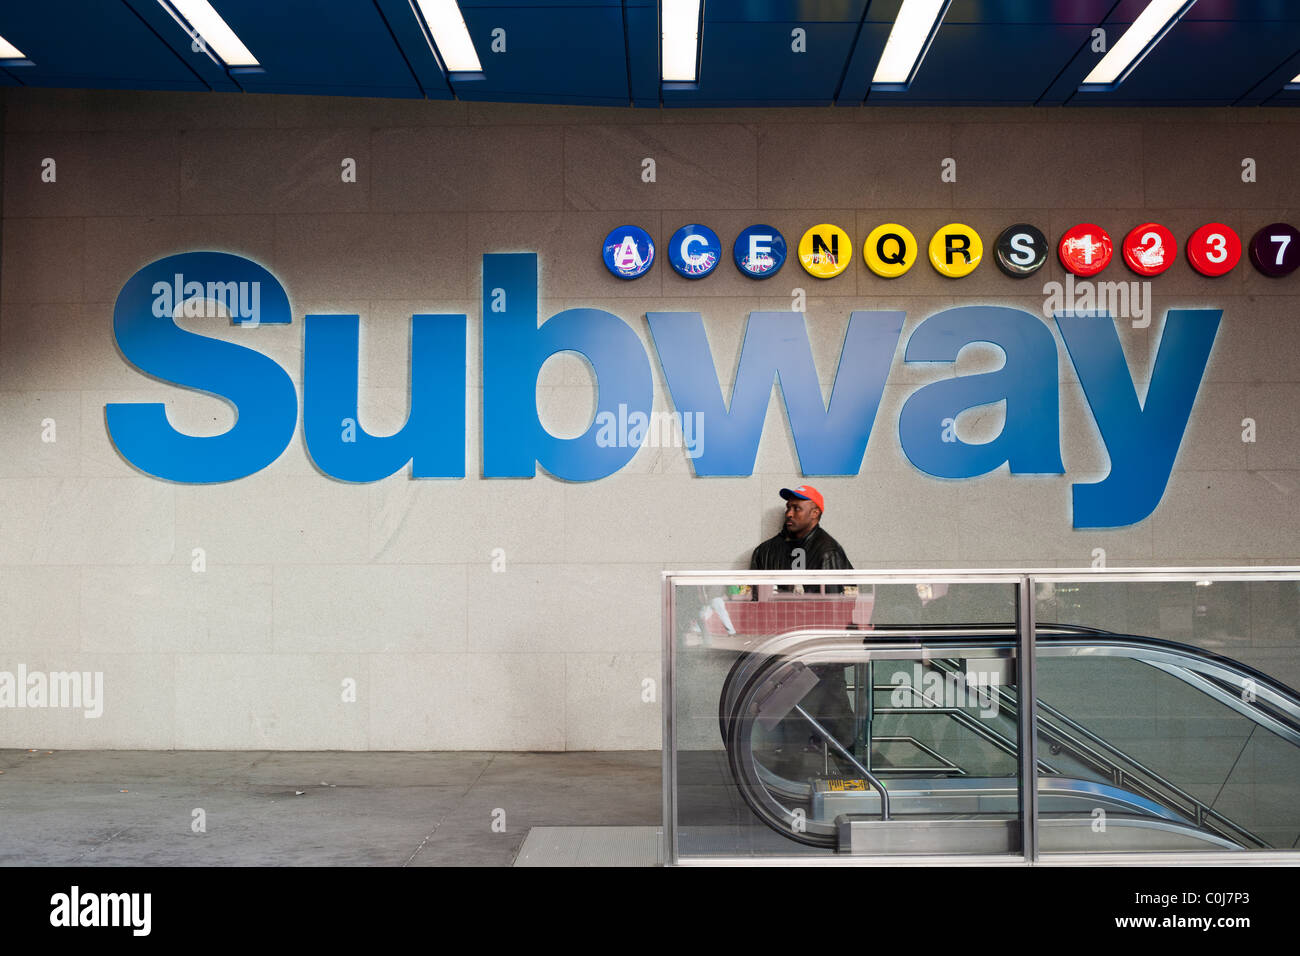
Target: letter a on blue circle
x,y
629,252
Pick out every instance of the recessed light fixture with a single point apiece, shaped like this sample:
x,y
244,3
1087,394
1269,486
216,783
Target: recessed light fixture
x,y
914,29
680,40
203,23
450,35
1138,40
10,52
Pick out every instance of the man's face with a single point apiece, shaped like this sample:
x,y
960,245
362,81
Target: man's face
x,y
801,516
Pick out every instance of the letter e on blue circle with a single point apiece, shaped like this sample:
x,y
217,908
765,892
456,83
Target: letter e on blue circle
x,y
694,251
629,252
759,251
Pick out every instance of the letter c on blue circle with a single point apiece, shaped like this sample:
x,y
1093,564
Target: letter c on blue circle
x,y
694,251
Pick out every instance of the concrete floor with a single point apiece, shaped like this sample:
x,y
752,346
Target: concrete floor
x,y
260,808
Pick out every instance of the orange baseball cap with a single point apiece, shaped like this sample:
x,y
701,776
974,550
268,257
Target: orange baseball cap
x,y
807,492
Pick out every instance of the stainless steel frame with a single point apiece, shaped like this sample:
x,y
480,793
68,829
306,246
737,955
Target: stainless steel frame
x,y
1028,693
669,704
1024,582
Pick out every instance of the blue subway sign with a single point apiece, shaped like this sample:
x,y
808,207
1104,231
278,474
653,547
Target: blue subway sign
x,y
1141,436
629,252
694,251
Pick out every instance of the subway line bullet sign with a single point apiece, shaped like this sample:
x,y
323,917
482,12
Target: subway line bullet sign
x,y
956,250
825,251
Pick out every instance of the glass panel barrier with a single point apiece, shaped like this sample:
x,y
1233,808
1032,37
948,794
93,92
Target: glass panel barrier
x,y
1174,702
814,714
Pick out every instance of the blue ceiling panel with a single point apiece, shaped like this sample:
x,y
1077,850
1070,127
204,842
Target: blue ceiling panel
x,y
542,6
1284,98
103,45
755,64
883,11
793,12
305,46
868,46
748,55
181,42
642,23
415,46
989,64
553,54
1077,12
1272,91
606,52
1200,63
1126,11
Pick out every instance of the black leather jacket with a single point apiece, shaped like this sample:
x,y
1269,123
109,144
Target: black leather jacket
x,y
821,553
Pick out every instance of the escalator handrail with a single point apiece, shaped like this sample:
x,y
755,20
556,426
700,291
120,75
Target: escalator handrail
x,y
1191,665
1112,761
1178,660
1203,811
787,641
1186,657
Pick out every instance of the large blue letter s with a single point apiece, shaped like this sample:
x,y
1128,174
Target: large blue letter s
x,y
266,406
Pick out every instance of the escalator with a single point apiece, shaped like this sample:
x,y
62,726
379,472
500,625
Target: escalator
x,y
1143,744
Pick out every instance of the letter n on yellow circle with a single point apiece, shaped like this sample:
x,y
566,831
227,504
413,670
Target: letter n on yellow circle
x,y
956,250
825,251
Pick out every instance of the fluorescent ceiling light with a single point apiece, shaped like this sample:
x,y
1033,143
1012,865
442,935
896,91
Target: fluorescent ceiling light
x,y
680,40
450,35
10,52
215,33
915,27
1138,40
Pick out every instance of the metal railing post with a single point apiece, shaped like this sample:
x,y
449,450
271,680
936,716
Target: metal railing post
x,y
669,742
1026,673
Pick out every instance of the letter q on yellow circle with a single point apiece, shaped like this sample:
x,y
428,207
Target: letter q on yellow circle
x,y
890,250
956,250
825,251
